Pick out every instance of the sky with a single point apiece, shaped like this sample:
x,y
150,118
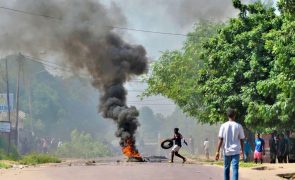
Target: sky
x,y
171,16
164,16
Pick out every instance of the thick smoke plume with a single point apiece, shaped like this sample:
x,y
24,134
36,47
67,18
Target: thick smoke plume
x,y
181,13
80,33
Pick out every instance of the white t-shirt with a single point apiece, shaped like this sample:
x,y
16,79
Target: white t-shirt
x,y
206,145
231,132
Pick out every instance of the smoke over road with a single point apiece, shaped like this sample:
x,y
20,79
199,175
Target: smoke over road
x,y
81,34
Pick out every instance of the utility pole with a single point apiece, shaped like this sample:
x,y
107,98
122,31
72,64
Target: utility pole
x,y
8,104
27,85
17,100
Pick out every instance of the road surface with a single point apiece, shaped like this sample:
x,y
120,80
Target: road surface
x,y
115,171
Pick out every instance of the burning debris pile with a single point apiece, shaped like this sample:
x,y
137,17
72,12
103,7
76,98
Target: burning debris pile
x,y
82,34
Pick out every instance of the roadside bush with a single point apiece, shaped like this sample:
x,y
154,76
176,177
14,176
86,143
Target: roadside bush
x,y
33,159
82,145
4,165
13,155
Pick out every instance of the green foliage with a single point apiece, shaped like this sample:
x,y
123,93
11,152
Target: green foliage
x,y
241,164
59,104
248,64
4,155
251,68
4,165
150,124
287,6
82,145
175,74
34,158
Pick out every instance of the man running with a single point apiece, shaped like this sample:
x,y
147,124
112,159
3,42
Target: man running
x,y
177,145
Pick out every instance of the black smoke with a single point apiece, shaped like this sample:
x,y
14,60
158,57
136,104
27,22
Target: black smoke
x,y
81,33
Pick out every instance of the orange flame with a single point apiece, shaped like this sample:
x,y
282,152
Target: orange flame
x,y
129,151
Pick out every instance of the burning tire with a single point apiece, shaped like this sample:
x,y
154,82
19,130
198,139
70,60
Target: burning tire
x,y
167,144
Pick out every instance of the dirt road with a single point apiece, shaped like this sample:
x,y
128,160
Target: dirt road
x,y
115,171
132,171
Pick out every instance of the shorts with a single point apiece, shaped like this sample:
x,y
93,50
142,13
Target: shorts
x,y
176,148
257,155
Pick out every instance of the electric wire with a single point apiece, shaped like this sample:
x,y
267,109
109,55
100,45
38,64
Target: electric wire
x,y
114,27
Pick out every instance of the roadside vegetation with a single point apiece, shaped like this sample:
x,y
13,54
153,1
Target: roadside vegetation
x,y
34,158
7,160
5,164
82,145
242,164
246,63
30,159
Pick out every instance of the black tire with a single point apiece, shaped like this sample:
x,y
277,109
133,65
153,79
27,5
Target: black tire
x,y
167,144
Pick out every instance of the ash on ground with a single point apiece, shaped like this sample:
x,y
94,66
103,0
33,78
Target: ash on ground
x,y
156,159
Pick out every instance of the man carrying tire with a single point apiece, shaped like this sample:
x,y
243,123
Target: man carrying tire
x,y
177,145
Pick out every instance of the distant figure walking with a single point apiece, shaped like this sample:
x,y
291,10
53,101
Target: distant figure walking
x,y
259,149
206,148
273,147
44,145
231,135
247,150
287,138
191,144
177,145
282,148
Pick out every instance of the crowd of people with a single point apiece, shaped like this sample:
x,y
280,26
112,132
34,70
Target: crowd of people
x,y
233,146
279,147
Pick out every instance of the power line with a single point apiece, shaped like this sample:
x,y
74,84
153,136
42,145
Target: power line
x,y
153,104
56,66
114,27
147,100
46,63
148,31
29,13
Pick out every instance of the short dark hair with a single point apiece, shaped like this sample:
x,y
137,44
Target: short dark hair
x,y
176,129
230,112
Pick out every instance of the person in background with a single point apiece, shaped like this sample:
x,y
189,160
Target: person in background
x,y
59,144
282,148
206,148
191,144
247,150
231,136
273,147
259,149
177,145
287,138
44,145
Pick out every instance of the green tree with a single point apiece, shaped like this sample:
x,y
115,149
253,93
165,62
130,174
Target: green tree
x,y
150,125
249,64
175,74
82,145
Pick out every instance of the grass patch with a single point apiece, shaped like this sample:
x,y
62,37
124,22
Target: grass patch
x,y
249,164
5,165
33,159
241,164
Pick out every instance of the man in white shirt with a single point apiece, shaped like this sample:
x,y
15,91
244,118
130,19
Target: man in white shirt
x,y
231,135
206,148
